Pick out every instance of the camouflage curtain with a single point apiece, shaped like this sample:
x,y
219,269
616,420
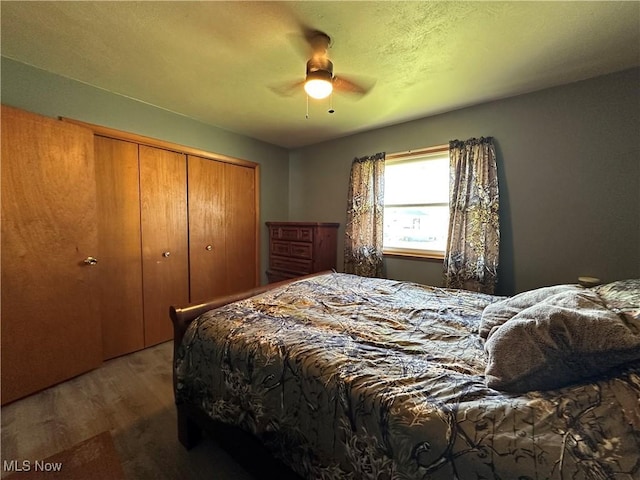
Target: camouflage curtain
x,y
363,231
471,258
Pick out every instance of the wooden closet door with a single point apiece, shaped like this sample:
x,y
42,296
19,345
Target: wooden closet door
x,y
241,228
165,269
207,250
50,319
120,250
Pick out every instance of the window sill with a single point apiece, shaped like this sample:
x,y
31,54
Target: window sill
x,y
413,254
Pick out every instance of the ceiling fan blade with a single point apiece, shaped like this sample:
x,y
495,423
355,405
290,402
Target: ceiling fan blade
x,y
309,41
359,86
288,89
317,40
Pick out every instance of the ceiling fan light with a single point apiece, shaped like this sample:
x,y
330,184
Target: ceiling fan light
x,y
318,88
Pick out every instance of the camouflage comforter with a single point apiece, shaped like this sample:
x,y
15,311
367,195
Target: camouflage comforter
x,y
344,377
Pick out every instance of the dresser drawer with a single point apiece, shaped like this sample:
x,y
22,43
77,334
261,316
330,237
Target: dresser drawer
x,y
304,234
301,250
279,247
292,249
290,264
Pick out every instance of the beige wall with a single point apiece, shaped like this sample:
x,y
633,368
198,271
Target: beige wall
x,y
569,169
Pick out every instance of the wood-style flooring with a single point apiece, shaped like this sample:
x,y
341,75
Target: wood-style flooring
x,y
130,396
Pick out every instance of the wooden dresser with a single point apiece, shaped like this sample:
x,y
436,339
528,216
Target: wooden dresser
x,y
300,248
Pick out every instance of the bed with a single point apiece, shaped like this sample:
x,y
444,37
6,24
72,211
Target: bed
x,y
346,377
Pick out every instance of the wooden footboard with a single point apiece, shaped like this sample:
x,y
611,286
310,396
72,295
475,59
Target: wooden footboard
x,y
190,420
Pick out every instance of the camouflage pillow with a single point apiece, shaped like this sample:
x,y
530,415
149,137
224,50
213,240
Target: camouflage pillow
x,y
566,338
499,313
622,297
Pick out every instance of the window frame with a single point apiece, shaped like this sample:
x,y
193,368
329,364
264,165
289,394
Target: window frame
x,y
414,253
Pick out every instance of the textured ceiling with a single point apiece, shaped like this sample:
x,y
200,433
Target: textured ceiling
x,y
218,62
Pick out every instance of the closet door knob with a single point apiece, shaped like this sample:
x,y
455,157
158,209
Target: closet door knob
x,y
90,261
208,247
166,254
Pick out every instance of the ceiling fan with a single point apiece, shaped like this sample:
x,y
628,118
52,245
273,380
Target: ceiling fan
x,y
320,81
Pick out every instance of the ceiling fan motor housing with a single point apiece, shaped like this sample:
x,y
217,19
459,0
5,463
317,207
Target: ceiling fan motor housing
x,y
320,70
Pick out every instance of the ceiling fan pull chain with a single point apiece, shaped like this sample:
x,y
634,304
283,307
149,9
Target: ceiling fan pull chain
x,y
307,115
331,110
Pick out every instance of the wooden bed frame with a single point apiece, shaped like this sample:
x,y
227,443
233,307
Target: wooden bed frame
x,y
192,421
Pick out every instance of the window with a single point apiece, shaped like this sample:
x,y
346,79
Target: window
x,y
416,203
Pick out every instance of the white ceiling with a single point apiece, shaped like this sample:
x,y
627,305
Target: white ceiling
x,y
217,62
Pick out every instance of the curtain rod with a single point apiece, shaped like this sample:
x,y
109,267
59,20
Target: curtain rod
x,y
418,152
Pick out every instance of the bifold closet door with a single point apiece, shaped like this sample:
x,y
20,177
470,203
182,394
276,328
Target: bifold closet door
x,y
50,258
240,231
119,241
207,247
222,228
165,269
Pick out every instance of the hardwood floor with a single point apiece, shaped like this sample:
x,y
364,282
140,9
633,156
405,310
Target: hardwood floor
x,y
130,396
